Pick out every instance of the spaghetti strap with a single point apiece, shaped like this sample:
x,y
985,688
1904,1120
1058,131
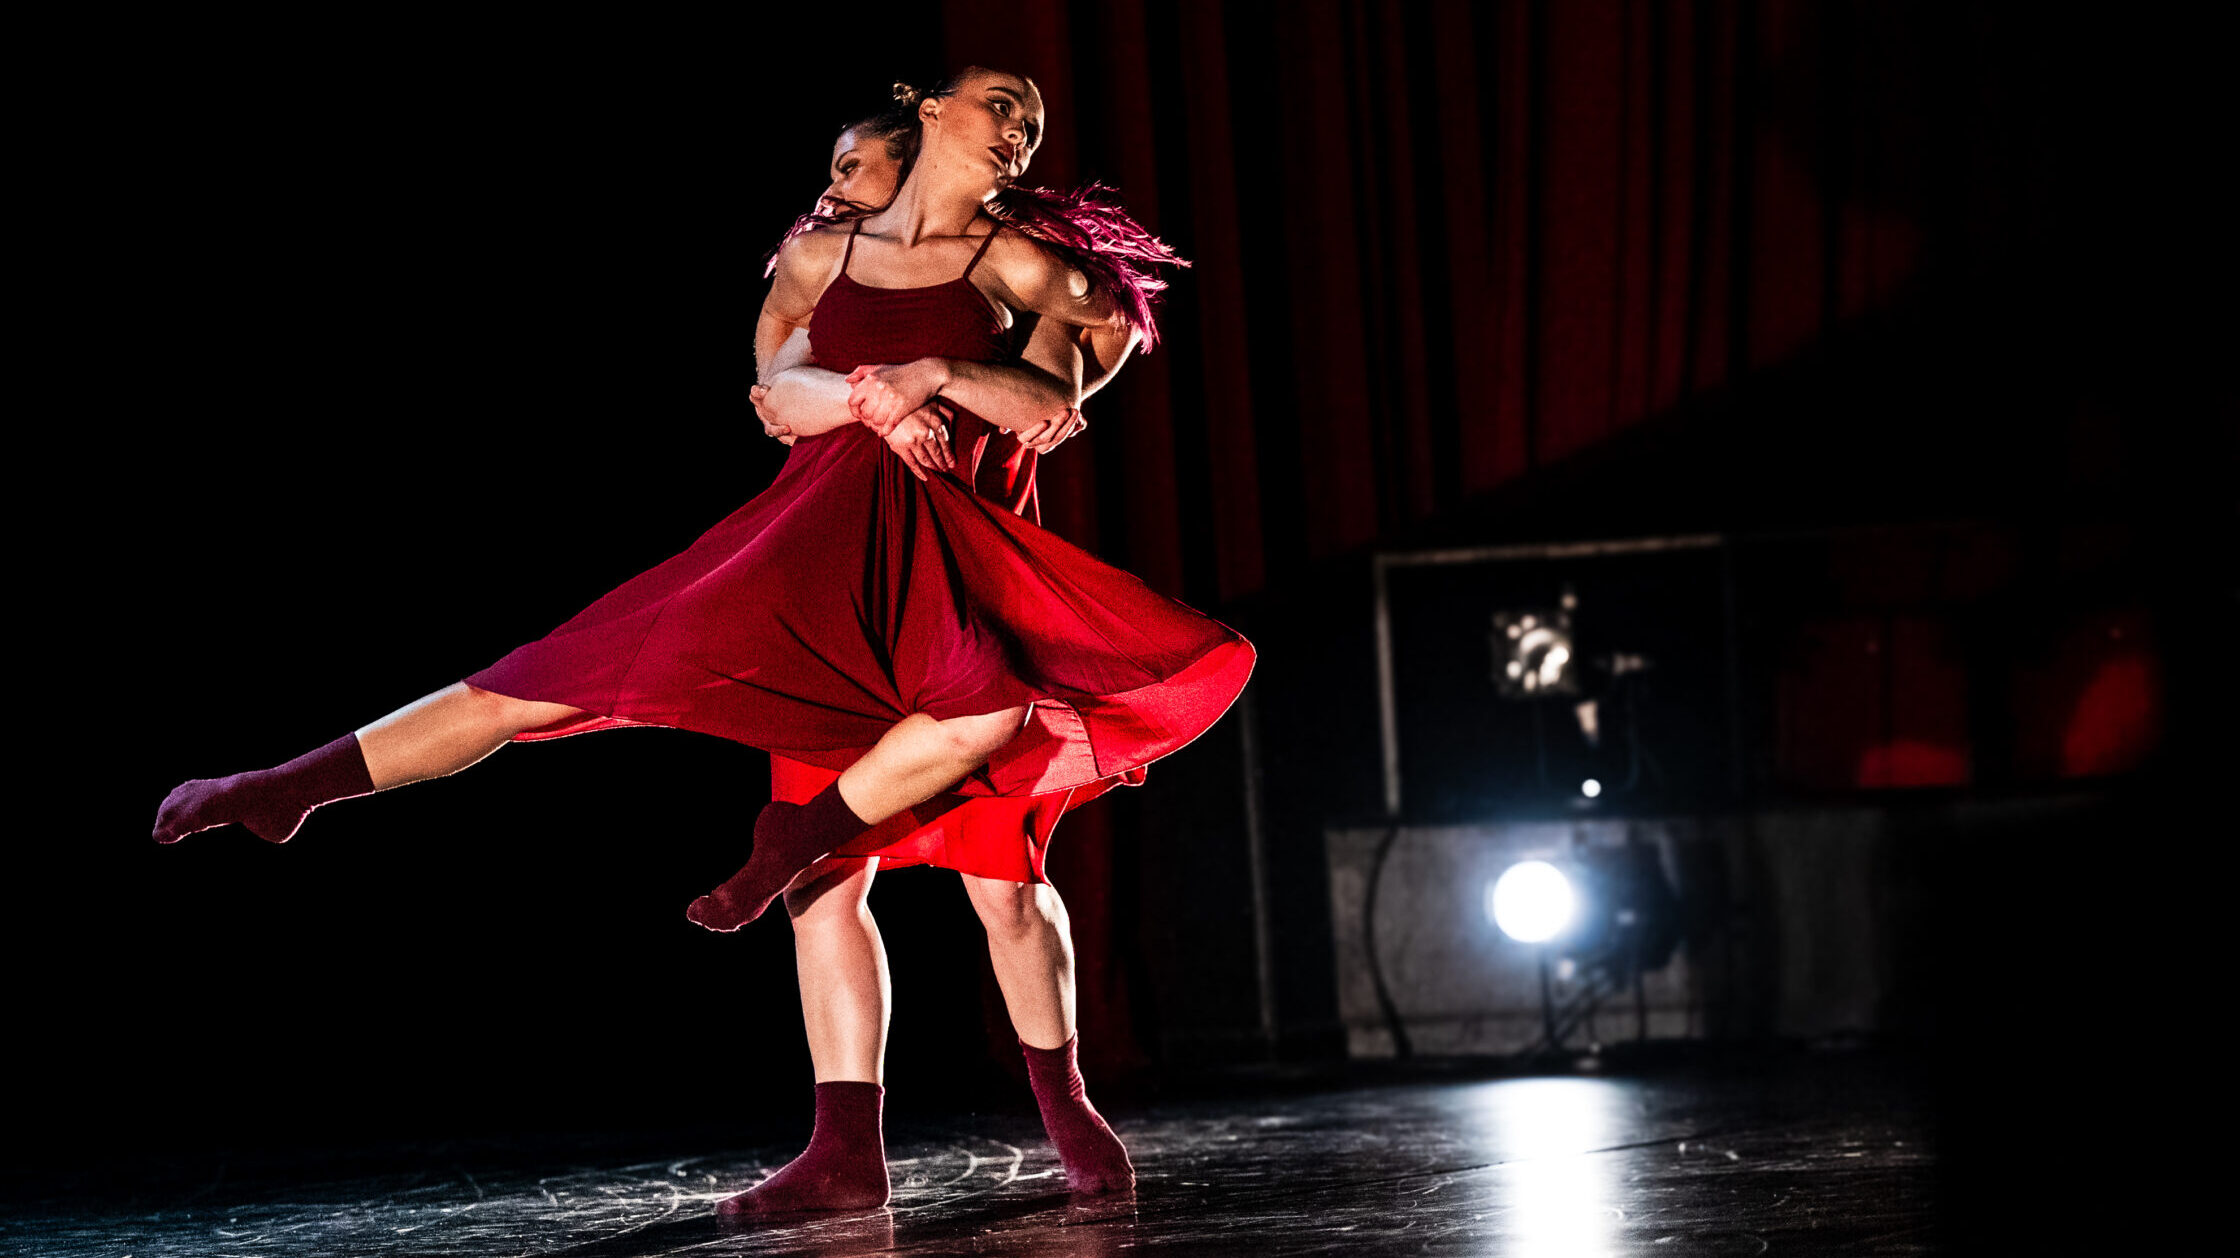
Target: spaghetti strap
x,y
985,241
853,232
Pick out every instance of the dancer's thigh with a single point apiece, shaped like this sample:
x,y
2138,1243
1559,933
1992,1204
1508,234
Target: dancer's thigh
x,y
976,737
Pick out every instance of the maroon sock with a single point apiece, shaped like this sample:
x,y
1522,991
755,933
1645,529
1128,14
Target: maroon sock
x,y
844,1167
788,838
272,803
1096,1161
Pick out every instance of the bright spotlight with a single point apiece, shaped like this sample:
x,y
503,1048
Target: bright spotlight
x,y
1590,788
1531,902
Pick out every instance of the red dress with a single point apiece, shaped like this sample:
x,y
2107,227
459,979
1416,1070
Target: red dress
x,y
850,594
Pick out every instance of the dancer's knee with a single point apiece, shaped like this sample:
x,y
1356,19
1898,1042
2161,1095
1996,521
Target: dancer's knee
x,y
833,900
508,715
1014,909
975,738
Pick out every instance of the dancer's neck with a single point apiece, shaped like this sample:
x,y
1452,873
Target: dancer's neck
x,y
933,203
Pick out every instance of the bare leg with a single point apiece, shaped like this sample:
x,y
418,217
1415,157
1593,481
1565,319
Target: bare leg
x,y
845,996
445,732
458,725
1030,943
442,733
915,760
921,757
844,1006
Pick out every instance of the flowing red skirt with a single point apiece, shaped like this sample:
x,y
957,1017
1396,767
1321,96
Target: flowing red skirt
x,y
849,595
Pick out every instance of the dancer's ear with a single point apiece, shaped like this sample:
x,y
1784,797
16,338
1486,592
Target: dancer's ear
x,y
929,109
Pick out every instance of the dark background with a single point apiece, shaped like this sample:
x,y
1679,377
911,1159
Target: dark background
x,y
382,346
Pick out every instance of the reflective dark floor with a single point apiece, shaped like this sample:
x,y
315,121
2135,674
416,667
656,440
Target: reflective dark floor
x,y
1806,1159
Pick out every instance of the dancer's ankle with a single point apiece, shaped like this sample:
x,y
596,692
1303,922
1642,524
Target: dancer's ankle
x,y
844,1167
1095,1160
271,803
788,838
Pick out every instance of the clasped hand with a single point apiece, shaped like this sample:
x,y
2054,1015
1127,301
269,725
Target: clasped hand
x,y
881,395
922,439
772,426
900,403
897,402
1054,431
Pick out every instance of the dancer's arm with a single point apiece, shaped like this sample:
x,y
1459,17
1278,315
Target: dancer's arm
x,y
1039,399
1081,360
799,400
1011,396
1096,337
1007,395
1052,349
921,437
1024,276
1089,357
1103,350
806,399
1029,277
802,398
1097,354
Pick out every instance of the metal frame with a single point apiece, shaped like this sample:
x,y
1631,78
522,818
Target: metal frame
x,y
1388,711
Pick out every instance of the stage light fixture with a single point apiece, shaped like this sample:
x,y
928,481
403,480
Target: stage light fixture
x,y
1590,788
1602,917
1532,902
1535,652
1607,906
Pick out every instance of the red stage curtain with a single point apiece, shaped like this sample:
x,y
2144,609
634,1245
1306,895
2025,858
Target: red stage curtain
x,y
1442,244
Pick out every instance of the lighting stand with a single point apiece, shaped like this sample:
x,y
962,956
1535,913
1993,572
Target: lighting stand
x,y
1561,1019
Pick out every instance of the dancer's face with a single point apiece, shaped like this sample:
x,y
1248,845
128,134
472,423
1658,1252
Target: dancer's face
x,y
993,117
864,175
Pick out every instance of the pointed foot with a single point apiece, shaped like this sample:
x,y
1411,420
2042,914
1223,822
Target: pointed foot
x,y
207,803
786,841
712,912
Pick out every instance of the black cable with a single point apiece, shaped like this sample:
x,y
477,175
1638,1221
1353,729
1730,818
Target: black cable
x,y
1400,1045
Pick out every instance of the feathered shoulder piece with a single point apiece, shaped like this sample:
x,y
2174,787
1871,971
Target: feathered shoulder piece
x,y
1090,229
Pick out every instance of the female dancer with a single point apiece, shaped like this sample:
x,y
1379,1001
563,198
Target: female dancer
x,y
869,160
852,616
838,952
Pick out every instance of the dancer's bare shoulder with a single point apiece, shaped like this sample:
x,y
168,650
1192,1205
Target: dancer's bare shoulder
x,y
815,251
806,264
1038,279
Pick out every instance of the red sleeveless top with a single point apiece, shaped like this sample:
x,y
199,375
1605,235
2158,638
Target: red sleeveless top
x,y
854,322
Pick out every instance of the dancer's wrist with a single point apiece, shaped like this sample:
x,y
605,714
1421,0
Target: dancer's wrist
x,y
940,371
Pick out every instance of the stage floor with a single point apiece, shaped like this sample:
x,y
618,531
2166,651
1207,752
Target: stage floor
x,y
1812,1156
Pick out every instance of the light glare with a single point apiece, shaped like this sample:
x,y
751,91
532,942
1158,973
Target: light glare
x,y
1531,902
